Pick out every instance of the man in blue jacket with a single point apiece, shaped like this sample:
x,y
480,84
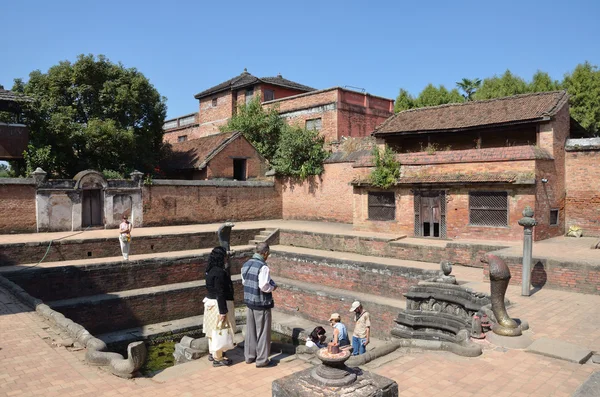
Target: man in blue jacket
x,y
258,288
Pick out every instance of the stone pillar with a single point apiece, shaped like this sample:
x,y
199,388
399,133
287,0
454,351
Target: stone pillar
x,y
528,223
137,177
39,175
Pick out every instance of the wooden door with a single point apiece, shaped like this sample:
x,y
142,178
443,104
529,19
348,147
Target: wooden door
x,y
91,208
429,214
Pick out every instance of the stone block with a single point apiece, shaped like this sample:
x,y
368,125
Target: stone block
x,y
559,349
367,384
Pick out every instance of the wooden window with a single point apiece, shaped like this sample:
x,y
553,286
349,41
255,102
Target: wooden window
x,y
214,102
314,124
382,206
269,95
488,209
554,217
249,94
182,138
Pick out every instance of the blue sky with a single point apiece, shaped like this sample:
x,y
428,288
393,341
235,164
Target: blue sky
x,y
184,47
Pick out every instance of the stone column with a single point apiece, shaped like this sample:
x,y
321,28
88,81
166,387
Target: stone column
x,y
528,223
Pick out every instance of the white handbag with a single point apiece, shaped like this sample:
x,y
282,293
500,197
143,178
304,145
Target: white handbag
x,y
221,338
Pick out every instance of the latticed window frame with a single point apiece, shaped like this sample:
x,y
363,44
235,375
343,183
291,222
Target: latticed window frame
x,y
391,206
487,208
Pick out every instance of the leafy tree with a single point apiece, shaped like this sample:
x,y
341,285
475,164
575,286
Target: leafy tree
x,y
469,87
542,82
433,96
506,85
387,169
404,101
262,127
92,114
583,86
300,152
5,171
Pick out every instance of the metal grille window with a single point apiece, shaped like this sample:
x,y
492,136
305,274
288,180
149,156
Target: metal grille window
x,y
182,138
382,206
313,124
249,95
170,124
488,209
187,120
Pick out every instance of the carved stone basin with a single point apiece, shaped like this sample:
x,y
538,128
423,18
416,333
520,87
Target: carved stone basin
x,y
333,372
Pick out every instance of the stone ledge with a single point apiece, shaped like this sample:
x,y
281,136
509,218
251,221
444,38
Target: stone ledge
x,y
176,182
17,181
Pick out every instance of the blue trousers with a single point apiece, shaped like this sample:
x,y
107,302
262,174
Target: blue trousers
x,y
358,346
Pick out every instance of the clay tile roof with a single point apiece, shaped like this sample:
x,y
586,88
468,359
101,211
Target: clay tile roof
x,y
196,153
9,96
246,79
476,114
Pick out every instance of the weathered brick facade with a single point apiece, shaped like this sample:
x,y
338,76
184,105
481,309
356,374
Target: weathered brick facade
x,y
174,202
17,207
582,206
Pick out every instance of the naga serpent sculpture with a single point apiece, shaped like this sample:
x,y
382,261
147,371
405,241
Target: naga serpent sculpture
x,y
499,278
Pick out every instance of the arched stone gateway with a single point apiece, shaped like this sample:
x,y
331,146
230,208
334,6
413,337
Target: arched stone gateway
x,y
87,200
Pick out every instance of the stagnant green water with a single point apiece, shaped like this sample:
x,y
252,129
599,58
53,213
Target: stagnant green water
x,y
160,354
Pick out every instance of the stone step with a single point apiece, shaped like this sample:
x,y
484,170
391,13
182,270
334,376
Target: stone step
x,y
73,248
71,279
384,277
315,303
134,308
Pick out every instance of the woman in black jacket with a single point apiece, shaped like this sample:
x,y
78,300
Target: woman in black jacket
x,y
218,304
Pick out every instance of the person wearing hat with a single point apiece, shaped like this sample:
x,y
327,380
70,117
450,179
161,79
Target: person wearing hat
x,y
340,333
362,329
125,237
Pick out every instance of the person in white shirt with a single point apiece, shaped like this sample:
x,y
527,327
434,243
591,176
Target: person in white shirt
x,y
125,237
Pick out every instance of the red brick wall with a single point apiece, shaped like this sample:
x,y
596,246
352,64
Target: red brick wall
x,y
372,278
326,197
221,166
317,308
280,92
67,250
17,208
182,204
359,114
552,274
582,206
192,132
65,282
211,117
119,313
457,213
552,137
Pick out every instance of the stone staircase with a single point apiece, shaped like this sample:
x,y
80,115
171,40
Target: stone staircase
x,y
266,235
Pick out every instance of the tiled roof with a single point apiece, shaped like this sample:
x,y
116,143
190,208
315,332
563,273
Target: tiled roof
x,y
475,114
196,153
9,96
246,79
516,178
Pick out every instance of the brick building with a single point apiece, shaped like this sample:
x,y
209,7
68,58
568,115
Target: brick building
x,y
335,112
14,136
468,170
226,155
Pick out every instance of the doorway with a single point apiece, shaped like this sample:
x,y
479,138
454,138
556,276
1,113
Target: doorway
x,y
239,169
430,214
91,208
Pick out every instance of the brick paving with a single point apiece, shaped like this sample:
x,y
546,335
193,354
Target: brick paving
x,y
31,366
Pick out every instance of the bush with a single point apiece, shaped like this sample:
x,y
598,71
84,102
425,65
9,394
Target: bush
x,y
111,174
300,152
387,169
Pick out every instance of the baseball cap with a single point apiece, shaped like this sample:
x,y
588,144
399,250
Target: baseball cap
x,y
355,306
335,316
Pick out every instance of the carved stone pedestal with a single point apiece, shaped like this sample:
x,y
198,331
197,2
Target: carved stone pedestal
x,y
334,378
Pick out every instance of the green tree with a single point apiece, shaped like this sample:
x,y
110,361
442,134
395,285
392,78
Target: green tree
x,y
300,152
542,82
469,87
404,101
387,168
583,86
262,127
92,114
505,85
433,96
5,171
